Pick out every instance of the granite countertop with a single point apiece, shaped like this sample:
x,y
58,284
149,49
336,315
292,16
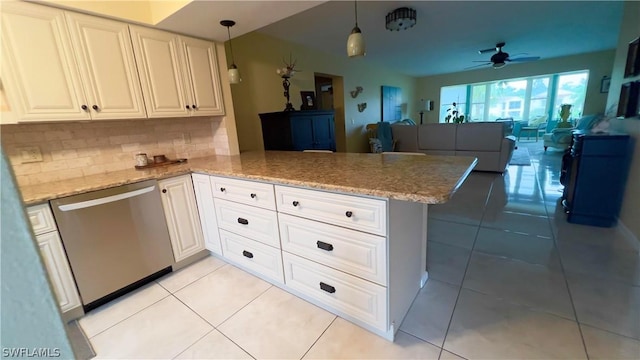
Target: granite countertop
x,y
426,179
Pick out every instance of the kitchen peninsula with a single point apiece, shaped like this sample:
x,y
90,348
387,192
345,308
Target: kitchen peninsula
x,y
344,231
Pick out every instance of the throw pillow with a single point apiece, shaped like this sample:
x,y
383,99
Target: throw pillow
x,y
537,121
376,145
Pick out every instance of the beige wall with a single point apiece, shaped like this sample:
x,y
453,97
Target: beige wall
x,y
598,63
85,148
258,56
630,29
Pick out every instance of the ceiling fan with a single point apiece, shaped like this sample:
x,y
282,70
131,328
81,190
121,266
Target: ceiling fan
x,y
500,58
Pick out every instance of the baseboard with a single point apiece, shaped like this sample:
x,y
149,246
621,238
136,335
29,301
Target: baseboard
x,y
627,233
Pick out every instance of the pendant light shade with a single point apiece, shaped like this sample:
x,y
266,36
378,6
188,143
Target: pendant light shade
x,y
233,73
355,43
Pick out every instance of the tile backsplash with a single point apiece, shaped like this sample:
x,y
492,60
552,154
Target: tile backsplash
x,y
77,149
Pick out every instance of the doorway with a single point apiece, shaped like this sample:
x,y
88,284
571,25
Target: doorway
x,y
330,96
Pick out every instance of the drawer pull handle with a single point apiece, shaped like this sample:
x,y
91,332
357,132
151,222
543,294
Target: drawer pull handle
x,y
349,214
324,246
295,203
222,189
328,288
243,221
247,254
253,196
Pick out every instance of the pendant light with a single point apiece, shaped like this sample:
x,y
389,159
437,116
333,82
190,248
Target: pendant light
x,y
234,74
355,43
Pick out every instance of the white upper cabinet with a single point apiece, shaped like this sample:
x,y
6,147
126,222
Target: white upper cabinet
x,y
107,67
59,65
160,68
179,75
202,67
39,72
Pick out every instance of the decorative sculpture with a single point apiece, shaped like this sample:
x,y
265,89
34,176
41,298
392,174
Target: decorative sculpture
x,y
356,92
286,73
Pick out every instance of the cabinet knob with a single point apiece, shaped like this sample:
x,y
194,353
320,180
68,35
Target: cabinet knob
x,y
324,246
223,189
164,191
95,107
243,221
194,106
188,107
253,196
295,203
349,214
84,107
247,254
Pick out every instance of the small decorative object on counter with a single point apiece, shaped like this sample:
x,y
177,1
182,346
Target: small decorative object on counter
x,y
159,159
453,115
141,159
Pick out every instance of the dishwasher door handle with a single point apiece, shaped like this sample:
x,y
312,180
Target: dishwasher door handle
x,y
105,200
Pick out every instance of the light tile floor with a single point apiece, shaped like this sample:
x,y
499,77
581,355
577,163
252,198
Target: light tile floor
x,y
509,279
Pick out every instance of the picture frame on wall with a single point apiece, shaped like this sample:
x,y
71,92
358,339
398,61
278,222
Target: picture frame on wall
x,y
308,100
632,67
605,83
623,101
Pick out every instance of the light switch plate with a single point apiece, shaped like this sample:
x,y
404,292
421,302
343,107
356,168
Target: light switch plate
x,y
29,154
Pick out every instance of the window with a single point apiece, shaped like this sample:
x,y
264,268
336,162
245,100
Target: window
x,y
521,99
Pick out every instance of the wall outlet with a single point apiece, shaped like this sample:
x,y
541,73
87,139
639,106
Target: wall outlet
x,y
29,154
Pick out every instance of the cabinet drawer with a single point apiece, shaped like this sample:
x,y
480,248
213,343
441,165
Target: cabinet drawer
x,y
41,219
354,252
253,255
369,215
359,298
254,223
245,192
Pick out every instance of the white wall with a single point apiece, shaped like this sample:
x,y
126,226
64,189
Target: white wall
x,y
629,30
598,63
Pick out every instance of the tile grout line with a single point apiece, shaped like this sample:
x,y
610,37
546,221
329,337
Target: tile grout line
x,y
335,317
187,267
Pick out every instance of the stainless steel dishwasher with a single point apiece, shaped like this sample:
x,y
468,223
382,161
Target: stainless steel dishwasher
x,y
116,239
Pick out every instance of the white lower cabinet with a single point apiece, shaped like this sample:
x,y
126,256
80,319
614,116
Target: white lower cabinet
x,y
206,209
55,260
181,213
257,257
358,257
54,257
344,294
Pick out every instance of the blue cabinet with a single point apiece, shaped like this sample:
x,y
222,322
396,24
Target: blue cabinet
x,y
298,130
597,168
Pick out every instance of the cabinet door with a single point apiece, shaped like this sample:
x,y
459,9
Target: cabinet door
x,y
202,73
207,211
55,260
108,69
40,75
323,138
302,133
181,213
161,72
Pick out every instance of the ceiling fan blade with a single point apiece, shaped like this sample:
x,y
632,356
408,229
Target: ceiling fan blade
x,y
475,66
529,58
493,49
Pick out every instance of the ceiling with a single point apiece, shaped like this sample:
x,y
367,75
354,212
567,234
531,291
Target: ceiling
x,y
446,38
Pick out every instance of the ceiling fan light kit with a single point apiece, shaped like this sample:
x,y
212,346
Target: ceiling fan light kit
x,y
400,19
355,42
233,72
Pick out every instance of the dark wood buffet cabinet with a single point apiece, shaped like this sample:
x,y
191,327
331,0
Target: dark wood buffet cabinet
x,y
298,130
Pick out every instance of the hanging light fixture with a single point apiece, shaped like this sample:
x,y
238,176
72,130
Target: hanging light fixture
x,y
400,19
355,43
234,74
